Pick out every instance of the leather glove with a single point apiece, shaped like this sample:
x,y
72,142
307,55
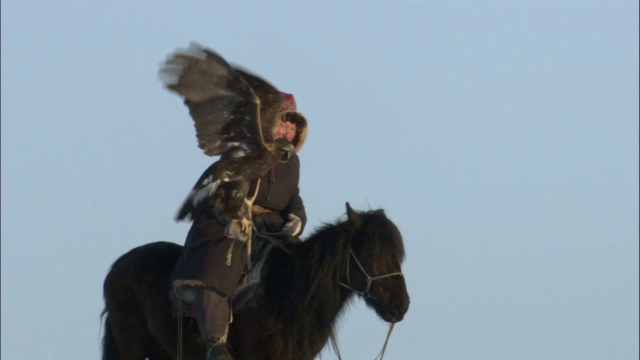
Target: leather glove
x,y
293,226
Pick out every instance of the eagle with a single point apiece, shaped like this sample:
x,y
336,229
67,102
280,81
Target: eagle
x,y
234,113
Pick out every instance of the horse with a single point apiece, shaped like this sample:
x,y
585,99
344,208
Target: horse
x,y
302,294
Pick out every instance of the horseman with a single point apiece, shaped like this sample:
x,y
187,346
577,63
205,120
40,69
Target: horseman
x,y
213,258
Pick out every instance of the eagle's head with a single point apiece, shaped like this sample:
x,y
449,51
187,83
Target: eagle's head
x,y
281,147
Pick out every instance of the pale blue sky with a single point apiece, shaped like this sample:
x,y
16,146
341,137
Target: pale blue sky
x,y
501,137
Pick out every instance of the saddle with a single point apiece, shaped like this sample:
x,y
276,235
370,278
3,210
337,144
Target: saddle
x,y
183,295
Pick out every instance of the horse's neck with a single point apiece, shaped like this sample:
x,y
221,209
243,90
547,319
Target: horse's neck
x,y
315,298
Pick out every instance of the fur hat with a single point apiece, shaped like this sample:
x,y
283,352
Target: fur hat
x,y
289,113
301,128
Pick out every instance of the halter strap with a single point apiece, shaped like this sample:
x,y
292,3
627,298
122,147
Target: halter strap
x,y
370,279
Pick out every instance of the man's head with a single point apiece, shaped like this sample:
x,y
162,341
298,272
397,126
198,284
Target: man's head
x,y
291,125
286,130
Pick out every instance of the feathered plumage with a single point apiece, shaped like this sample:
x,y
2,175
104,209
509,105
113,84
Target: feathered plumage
x,y
234,113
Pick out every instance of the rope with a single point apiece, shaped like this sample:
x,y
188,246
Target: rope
x,y
370,279
334,344
179,323
249,204
380,356
384,347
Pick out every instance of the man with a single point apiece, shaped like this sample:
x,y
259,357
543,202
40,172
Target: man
x,y
213,262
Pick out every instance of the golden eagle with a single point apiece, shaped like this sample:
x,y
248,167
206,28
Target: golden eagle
x,y
234,113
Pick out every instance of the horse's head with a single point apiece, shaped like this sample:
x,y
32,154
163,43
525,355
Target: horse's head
x,y
374,265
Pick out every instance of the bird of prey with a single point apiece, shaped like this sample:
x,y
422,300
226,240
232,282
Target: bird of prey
x,y
234,113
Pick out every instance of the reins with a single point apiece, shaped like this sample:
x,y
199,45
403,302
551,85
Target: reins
x,y
386,341
380,356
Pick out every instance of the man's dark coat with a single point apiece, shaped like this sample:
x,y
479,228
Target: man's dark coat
x,y
211,259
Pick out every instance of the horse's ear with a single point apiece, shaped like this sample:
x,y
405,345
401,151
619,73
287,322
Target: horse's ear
x,y
353,216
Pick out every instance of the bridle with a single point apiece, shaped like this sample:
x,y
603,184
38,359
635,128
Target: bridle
x,y
366,294
370,279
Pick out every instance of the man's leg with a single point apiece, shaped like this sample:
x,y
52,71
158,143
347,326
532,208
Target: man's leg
x,y
213,313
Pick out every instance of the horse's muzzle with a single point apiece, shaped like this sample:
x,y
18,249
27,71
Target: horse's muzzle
x,y
395,310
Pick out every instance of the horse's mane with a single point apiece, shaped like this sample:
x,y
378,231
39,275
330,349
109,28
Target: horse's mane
x,y
304,287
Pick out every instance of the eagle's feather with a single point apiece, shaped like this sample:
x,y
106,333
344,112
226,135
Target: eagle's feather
x,y
234,114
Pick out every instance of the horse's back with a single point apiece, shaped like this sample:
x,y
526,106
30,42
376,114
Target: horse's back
x,y
136,294
155,253
141,267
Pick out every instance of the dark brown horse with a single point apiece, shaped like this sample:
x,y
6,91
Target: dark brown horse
x,y
302,294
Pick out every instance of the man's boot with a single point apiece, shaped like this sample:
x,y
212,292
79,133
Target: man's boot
x,y
217,350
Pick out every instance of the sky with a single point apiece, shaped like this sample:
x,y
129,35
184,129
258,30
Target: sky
x,y
500,136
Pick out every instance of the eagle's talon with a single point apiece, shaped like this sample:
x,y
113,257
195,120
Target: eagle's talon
x,y
246,225
239,229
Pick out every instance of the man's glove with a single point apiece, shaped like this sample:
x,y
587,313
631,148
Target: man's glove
x,y
292,227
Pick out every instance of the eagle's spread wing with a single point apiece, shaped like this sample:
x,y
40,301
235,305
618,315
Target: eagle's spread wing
x,y
231,108
234,113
